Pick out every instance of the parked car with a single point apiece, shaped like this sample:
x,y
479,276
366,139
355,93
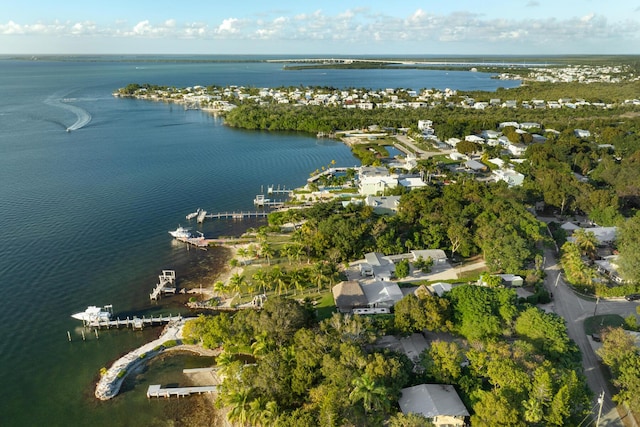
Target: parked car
x,y
632,297
596,337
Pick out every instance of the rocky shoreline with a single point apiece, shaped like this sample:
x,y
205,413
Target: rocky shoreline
x,y
111,381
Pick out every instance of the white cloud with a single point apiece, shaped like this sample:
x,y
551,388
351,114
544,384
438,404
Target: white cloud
x,y
587,18
362,27
228,26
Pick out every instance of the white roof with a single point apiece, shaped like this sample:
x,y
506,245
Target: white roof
x,y
434,254
439,288
379,292
569,226
432,400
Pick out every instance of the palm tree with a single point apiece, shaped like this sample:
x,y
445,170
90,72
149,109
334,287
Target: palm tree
x,y
317,275
267,251
297,279
586,241
220,287
236,282
278,278
242,253
372,395
240,408
261,278
262,413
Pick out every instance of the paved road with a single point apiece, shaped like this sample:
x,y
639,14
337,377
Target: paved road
x,y
575,310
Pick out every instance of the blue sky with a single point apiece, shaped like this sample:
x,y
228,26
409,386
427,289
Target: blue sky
x,y
428,27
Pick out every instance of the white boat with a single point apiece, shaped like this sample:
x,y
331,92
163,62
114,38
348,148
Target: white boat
x,y
95,314
194,214
180,232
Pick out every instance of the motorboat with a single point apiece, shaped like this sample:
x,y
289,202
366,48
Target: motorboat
x,y
95,314
181,232
194,214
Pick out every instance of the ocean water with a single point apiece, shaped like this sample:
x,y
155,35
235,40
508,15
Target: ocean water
x,y
84,214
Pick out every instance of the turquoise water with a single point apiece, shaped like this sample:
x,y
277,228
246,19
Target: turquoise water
x,y
84,214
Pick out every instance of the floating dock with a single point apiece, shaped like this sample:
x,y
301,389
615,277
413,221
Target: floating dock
x,y
166,285
156,390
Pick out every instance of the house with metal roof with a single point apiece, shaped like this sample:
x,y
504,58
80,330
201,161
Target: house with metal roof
x,y
439,403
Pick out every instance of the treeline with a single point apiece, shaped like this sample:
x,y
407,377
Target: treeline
x,y
281,367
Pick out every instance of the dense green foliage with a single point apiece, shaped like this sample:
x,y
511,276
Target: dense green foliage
x,y
629,247
467,217
620,352
283,368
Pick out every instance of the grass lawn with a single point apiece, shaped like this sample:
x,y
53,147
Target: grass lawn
x,y
592,325
325,307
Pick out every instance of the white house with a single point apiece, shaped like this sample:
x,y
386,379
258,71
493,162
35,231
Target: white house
x,y
582,133
507,124
376,184
383,204
509,176
381,294
438,256
517,150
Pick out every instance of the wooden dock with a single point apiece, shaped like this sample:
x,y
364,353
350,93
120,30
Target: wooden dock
x,y
199,242
238,215
330,171
166,285
156,390
134,322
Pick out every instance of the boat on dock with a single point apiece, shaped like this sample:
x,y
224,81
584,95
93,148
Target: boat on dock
x,y
194,214
95,314
181,232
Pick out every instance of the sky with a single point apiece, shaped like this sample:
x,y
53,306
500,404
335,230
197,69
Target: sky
x,y
331,27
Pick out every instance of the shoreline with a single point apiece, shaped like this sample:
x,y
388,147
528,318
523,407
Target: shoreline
x,y
111,381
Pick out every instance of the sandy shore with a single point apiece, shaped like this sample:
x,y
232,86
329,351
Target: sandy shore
x,y
225,275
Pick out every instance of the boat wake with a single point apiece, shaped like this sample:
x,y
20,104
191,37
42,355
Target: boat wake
x,y
82,116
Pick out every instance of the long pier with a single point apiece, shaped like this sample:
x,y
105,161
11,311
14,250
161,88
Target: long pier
x,y
238,215
134,322
156,390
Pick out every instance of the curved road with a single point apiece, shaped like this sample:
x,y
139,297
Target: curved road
x,y
575,310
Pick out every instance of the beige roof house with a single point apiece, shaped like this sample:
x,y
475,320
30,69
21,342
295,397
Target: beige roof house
x,y
349,295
